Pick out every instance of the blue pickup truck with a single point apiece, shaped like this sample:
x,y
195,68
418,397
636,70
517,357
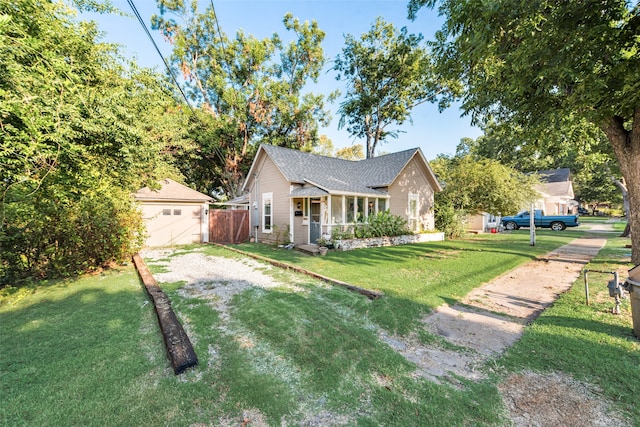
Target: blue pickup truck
x,y
554,222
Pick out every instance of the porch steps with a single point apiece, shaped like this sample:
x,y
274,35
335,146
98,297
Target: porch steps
x,y
309,249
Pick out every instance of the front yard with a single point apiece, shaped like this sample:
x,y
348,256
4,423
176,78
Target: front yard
x,y
88,351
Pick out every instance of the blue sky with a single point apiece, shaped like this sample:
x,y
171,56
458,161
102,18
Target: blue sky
x,y
432,131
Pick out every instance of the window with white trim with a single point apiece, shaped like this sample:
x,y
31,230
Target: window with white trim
x,y
413,211
267,212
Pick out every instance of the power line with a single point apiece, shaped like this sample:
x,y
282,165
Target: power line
x,y
146,30
173,77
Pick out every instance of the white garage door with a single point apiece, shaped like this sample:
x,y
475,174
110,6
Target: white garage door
x,y
172,224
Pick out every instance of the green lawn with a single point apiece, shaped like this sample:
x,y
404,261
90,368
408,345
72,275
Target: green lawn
x,y
417,278
88,351
587,342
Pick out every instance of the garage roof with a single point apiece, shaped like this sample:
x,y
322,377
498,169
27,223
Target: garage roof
x,y
171,191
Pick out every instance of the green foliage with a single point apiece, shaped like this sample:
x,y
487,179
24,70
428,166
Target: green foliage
x,y
80,132
281,234
338,233
574,143
388,73
248,90
381,224
447,218
472,186
537,64
67,234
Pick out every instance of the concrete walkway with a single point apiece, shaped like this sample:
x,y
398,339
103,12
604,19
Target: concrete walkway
x,y
492,317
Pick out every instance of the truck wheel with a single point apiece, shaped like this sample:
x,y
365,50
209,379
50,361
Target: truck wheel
x,y
511,225
558,226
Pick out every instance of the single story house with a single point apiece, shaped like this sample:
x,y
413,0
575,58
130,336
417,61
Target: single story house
x,y
174,214
306,195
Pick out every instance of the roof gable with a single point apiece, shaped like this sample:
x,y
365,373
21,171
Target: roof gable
x,y
555,175
170,190
555,183
334,175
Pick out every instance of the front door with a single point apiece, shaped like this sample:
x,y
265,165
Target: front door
x,y
315,226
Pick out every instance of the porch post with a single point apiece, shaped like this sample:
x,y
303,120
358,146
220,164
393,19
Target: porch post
x,y
328,216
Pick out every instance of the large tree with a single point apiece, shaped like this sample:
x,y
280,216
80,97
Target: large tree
x,y
533,63
248,90
388,73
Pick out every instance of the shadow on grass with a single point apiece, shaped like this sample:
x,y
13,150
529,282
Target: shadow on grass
x,y
72,350
601,351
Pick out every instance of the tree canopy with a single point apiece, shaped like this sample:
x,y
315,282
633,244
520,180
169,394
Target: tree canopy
x,y
534,63
579,146
472,186
388,72
248,90
79,132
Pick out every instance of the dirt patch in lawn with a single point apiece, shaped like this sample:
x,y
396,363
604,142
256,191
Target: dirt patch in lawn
x,y
492,317
555,400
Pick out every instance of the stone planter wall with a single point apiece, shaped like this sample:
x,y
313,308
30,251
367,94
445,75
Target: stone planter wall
x,y
374,242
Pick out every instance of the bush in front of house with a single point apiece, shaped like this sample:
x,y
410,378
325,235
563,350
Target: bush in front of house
x,y
449,220
381,224
66,234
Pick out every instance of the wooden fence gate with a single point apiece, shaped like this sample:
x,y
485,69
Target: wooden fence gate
x,y
228,226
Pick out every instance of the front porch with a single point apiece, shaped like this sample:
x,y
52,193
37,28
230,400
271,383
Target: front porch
x,y
314,218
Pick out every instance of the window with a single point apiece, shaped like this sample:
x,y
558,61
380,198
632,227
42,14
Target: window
x,y
350,209
177,211
166,211
336,210
360,214
413,211
267,212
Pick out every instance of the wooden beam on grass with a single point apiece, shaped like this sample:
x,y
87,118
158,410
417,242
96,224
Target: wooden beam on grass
x,y
362,291
179,349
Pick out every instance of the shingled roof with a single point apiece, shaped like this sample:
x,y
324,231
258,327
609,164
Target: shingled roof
x,y
323,175
171,191
555,175
556,183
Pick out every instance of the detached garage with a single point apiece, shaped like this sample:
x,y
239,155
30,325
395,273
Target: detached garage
x,y
174,215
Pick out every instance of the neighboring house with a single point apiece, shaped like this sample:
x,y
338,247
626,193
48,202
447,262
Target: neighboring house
x,y
556,192
556,198
483,222
174,215
306,195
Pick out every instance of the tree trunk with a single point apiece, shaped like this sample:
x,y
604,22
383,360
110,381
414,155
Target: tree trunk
x,y
626,146
625,197
627,231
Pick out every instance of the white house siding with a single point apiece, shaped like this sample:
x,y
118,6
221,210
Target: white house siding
x,y
171,224
413,179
